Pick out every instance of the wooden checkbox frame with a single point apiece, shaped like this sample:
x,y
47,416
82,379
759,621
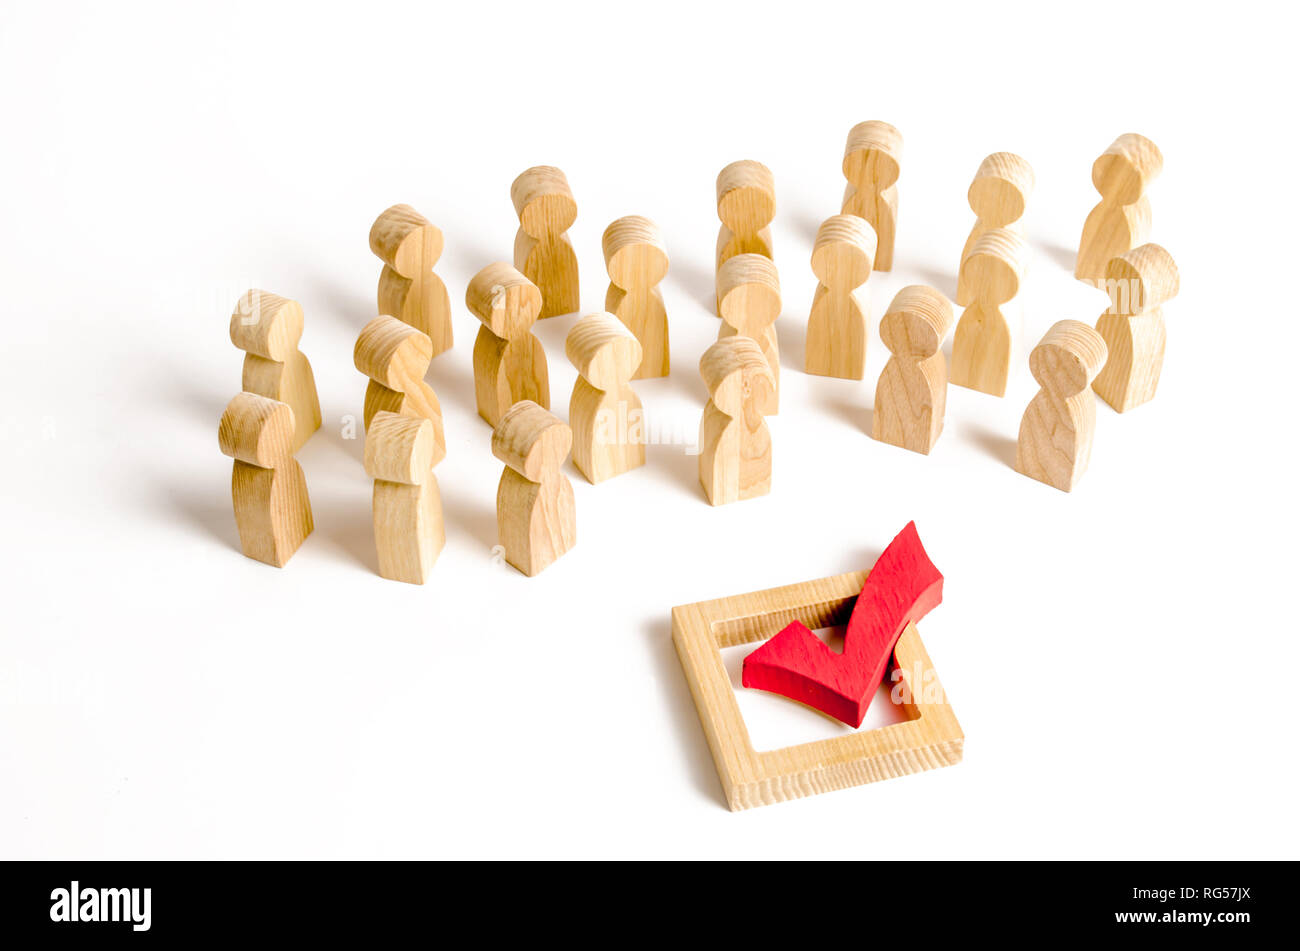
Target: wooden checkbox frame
x,y
930,738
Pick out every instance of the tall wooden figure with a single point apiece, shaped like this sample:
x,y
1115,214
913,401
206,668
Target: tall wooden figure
x,y
749,300
543,251
981,347
836,344
395,356
604,413
535,511
272,510
872,157
1056,430
998,196
913,387
401,452
509,362
267,328
410,245
735,445
636,260
1140,282
746,206
1122,219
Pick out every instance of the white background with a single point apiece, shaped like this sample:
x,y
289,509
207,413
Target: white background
x,y
1122,658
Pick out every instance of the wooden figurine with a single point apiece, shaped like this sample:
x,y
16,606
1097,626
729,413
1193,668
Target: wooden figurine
x,y
998,196
1056,430
543,252
749,300
267,328
604,413
836,344
735,445
395,356
981,347
509,362
746,207
871,164
401,452
636,260
535,511
1122,219
913,387
409,245
1139,281
272,510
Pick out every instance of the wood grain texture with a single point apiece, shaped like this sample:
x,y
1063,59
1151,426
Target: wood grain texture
x,y
930,738
268,329
410,245
407,509
636,260
543,252
535,509
998,195
396,356
749,302
735,459
836,344
1139,283
604,412
1122,219
509,362
872,161
913,387
746,194
1056,431
982,344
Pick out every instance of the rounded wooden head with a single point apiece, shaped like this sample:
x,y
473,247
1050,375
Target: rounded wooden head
x,y
746,196
543,201
504,300
402,237
635,255
1068,358
918,320
531,440
872,153
749,293
605,352
392,353
400,448
995,265
1142,279
266,325
1123,172
1001,188
257,430
845,251
736,372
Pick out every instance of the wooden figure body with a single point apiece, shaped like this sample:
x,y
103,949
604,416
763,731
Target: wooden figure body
x,y
535,510
395,356
1139,282
981,347
268,487
268,328
543,252
735,445
401,452
1122,219
836,344
1056,430
913,387
604,413
871,164
746,206
998,196
409,245
749,300
509,362
636,260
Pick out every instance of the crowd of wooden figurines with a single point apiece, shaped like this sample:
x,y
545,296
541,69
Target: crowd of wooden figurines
x,y
1120,359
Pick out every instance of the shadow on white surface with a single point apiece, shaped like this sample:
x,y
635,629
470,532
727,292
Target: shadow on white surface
x,y
1001,448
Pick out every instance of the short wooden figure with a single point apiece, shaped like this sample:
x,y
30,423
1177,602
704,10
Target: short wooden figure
x,y
401,452
1056,430
535,511
1139,282
837,324
1122,219
998,196
746,206
409,245
267,328
543,252
509,362
735,445
272,510
636,260
395,356
913,387
604,413
871,164
981,347
749,300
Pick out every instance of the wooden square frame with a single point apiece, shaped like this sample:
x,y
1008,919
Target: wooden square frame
x,y
930,739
